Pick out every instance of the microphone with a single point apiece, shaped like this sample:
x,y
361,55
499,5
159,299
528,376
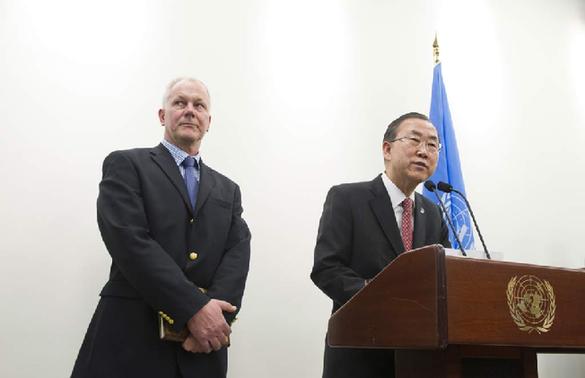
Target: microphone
x,y
447,188
431,187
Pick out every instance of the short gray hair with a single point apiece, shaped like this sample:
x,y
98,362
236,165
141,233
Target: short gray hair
x,y
174,82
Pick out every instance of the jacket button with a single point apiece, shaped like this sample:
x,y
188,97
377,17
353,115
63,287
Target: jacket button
x,y
192,220
193,256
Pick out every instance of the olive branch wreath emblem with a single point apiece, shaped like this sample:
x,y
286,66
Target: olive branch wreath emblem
x,y
524,324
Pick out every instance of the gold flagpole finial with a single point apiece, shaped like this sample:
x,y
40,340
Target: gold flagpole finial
x,y
436,49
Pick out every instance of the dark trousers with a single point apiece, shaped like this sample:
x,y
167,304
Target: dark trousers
x,y
122,341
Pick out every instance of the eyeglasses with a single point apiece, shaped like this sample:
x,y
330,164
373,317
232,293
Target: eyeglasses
x,y
430,145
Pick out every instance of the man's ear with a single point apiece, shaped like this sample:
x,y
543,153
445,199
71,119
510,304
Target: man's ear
x,y
386,147
161,116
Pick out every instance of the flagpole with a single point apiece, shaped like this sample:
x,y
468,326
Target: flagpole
x,y
436,49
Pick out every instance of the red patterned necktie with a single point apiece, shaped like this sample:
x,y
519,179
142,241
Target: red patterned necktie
x,y
406,228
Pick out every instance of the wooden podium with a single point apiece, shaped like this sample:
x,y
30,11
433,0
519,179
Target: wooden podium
x,y
450,316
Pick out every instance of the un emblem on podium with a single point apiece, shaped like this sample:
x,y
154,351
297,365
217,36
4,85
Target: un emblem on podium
x,y
532,303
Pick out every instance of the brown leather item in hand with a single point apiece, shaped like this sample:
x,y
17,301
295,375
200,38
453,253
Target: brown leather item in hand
x,y
167,333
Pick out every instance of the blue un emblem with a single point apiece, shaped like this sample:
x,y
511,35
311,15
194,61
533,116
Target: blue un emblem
x,y
461,219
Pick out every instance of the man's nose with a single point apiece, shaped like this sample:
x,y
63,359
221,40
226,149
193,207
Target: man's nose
x,y
422,149
190,109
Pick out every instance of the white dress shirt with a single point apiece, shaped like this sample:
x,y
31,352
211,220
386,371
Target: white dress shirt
x,y
396,197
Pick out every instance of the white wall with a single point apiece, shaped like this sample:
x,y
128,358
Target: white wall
x,y
302,92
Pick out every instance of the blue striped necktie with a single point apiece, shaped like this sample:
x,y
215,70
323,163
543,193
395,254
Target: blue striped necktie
x,y
190,165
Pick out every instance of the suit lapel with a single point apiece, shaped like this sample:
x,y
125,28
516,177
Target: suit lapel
x,y
382,208
167,164
419,236
206,184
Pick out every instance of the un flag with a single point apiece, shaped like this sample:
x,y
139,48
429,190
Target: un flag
x,y
449,167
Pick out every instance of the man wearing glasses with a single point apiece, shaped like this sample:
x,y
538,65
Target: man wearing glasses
x,y
365,225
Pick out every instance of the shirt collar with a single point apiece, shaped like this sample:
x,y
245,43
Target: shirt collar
x,y
396,195
178,154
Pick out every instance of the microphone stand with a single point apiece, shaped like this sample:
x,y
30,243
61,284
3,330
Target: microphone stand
x,y
487,254
432,187
448,188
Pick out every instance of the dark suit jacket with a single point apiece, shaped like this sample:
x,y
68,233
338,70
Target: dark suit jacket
x,y
358,236
150,230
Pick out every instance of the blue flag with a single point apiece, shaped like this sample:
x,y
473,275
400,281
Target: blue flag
x,y
449,168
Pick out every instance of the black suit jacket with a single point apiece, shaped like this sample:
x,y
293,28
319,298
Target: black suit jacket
x,y
358,236
151,232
